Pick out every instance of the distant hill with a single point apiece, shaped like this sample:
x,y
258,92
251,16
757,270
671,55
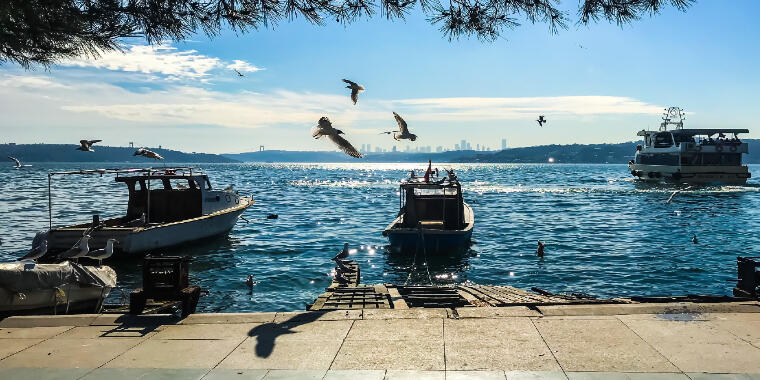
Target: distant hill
x,y
619,153
102,153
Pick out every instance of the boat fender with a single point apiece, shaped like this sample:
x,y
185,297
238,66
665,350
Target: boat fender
x,y
719,148
227,198
733,148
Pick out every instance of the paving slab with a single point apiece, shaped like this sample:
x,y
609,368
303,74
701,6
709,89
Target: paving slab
x,y
135,320
415,375
651,308
93,332
225,318
70,353
600,345
48,320
294,375
42,373
698,346
417,313
496,344
206,331
475,375
397,329
536,375
9,347
319,331
355,375
746,329
313,354
31,333
493,312
146,374
724,376
236,374
309,316
168,353
423,354
625,376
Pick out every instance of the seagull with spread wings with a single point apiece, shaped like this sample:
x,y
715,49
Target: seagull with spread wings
x,y
148,153
18,163
355,88
86,145
541,120
325,128
238,73
403,130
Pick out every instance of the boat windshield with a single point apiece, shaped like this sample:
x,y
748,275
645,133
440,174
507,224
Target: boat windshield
x,y
663,140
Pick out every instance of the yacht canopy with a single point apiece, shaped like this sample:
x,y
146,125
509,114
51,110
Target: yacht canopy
x,y
694,132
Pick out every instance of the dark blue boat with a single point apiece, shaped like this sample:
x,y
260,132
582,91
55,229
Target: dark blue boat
x,y
433,216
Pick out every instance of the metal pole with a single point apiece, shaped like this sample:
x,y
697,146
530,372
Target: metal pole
x,y
147,213
50,204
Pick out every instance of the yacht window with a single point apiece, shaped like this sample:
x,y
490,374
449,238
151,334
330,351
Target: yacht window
x,y
663,140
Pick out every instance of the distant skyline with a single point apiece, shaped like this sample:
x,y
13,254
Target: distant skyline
x,y
596,84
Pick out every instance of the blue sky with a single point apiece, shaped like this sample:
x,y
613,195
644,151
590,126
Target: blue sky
x,y
184,95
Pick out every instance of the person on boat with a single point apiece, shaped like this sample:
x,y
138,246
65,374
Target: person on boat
x,y
540,249
429,171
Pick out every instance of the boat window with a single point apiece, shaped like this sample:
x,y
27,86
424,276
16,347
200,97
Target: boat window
x,y
663,140
446,191
180,184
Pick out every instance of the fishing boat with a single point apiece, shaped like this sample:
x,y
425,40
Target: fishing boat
x,y
64,288
166,207
433,216
680,155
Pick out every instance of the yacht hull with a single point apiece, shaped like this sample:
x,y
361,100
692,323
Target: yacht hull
x,y
730,175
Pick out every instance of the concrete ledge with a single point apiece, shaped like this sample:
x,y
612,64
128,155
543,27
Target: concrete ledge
x,y
650,308
417,313
49,320
211,318
493,312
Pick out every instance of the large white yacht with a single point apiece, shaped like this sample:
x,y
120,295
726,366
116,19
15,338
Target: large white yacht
x,y
690,155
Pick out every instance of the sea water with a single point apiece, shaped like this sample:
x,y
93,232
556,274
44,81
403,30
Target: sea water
x,y
605,234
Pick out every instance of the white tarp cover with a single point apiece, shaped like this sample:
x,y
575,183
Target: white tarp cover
x,y
26,276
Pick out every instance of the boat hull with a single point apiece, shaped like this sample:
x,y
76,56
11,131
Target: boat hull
x,y
72,298
730,175
138,240
434,241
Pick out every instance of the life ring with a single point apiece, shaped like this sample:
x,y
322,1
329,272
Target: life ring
x,y
732,148
227,198
719,148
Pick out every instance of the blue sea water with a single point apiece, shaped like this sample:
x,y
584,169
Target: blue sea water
x,y
605,234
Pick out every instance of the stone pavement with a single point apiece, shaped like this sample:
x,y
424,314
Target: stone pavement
x,y
638,341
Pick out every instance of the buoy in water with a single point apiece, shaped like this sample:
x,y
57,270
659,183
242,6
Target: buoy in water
x,y
272,216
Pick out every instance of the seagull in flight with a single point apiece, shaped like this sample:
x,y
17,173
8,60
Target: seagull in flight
x,y
541,121
148,153
79,250
403,130
36,252
103,253
18,163
86,145
355,88
325,128
239,73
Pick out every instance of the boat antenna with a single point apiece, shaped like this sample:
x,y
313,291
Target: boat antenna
x,y
674,116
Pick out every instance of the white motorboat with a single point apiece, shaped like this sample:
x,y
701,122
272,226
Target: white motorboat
x,y
166,207
64,288
690,155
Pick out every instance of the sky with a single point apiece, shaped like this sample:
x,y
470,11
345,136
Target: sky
x,y
595,84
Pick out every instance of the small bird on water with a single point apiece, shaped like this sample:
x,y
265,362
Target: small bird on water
x,y
86,145
403,130
324,128
272,216
148,153
355,88
249,281
694,239
541,121
540,249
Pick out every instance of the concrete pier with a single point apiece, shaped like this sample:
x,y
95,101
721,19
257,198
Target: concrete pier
x,y
614,341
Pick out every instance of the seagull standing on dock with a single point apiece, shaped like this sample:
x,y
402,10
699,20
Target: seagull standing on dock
x,y
86,145
342,255
103,253
541,121
36,252
403,130
148,153
355,88
324,128
81,250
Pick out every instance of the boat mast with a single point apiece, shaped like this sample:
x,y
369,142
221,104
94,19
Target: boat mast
x,y
50,203
674,116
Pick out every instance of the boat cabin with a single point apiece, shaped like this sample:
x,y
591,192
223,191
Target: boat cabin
x,y
433,204
691,147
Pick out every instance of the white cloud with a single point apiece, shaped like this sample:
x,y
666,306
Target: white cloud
x,y
160,59
243,66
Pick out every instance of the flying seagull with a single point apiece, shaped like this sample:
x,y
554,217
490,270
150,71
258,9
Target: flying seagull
x,y
103,253
239,73
325,128
36,252
18,163
355,88
79,250
148,153
86,145
541,121
403,132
